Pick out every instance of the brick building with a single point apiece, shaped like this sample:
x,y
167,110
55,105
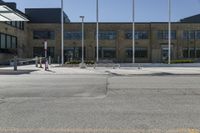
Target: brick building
x,y
115,39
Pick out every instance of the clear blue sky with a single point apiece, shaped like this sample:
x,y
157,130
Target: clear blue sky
x,y
118,10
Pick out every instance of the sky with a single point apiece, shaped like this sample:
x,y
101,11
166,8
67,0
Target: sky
x,y
118,10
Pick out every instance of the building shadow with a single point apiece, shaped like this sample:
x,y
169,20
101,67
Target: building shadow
x,y
18,72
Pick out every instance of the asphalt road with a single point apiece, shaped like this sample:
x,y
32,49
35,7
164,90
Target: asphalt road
x,y
99,103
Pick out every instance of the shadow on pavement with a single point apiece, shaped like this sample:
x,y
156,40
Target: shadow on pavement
x,y
18,72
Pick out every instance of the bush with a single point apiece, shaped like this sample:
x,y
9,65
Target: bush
x,y
90,62
181,61
78,62
73,62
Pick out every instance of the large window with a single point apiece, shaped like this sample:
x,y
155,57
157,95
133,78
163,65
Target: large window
x,y
3,41
139,52
73,35
191,52
139,35
106,53
73,53
8,41
191,35
163,34
107,35
188,35
44,35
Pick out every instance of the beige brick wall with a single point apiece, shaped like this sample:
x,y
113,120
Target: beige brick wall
x,y
22,46
154,46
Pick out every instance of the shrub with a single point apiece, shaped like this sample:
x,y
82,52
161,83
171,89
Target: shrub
x,y
181,61
90,62
73,62
78,62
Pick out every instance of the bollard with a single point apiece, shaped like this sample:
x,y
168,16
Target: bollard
x,y
15,63
36,61
58,59
46,64
139,66
40,62
49,60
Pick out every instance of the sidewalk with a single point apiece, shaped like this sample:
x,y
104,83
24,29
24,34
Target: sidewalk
x,y
122,71
53,69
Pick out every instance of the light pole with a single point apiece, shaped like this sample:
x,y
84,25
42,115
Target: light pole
x,y
97,31
82,18
133,33
62,34
169,33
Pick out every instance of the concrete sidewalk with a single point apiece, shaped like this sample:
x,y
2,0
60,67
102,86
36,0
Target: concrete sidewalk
x,y
53,69
122,71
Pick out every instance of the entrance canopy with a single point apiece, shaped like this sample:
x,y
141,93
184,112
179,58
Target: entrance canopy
x,y
8,14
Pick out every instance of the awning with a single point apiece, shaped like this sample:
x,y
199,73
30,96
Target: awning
x,y
8,14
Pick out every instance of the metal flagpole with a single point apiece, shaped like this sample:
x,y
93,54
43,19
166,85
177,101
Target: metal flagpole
x,y
82,17
97,31
62,34
133,33
169,33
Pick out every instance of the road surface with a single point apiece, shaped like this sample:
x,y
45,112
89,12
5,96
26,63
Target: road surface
x,y
99,103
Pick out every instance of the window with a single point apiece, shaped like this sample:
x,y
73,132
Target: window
x,y
190,52
8,42
73,35
163,34
188,35
16,24
139,53
139,35
44,35
107,35
3,41
73,53
198,52
109,53
13,23
14,42
106,53
191,35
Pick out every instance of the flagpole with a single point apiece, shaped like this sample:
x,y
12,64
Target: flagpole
x,y
97,31
133,32
169,33
62,33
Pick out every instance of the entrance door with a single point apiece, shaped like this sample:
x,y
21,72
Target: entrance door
x,y
164,53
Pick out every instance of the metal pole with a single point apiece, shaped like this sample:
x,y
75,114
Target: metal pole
x,y
169,33
133,33
62,34
45,48
36,61
97,31
46,60
82,17
15,63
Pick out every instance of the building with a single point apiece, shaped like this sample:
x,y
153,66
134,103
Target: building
x,y
13,37
115,39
